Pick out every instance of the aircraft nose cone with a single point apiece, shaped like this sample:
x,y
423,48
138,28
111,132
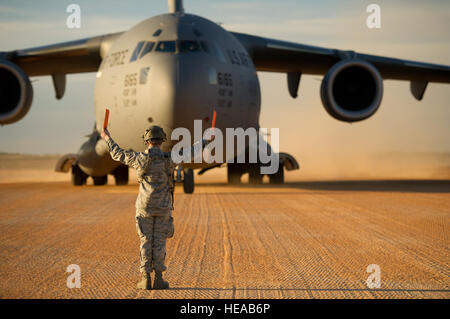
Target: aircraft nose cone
x,y
163,84
180,92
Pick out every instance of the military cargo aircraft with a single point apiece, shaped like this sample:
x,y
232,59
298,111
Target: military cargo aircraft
x,y
175,68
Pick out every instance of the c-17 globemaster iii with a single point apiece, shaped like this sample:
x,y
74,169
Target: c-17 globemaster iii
x,y
175,68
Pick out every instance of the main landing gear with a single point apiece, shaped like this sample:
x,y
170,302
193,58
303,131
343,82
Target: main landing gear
x,y
236,170
80,178
185,176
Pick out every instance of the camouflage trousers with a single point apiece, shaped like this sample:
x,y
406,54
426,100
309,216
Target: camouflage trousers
x,y
153,232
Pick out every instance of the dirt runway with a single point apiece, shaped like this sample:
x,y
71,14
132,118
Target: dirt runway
x,y
300,240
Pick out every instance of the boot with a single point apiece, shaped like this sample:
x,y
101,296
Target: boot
x,y
160,283
146,282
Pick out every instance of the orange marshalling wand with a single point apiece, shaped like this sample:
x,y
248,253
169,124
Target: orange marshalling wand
x,y
214,119
105,123
213,122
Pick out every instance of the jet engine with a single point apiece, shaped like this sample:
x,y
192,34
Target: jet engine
x,y
352,90
16,93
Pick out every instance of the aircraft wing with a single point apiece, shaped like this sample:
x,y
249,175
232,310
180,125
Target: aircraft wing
x,y
56,60
352,87
282,56
76,56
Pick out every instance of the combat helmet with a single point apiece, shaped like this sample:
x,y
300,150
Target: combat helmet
x,y
154,134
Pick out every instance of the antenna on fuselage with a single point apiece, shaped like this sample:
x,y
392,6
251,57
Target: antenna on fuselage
x,y
176,6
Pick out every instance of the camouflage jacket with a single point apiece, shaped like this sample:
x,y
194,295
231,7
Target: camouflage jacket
x,y
154,168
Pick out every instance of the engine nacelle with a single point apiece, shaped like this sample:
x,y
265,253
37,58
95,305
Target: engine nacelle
x,y
16,93
352,90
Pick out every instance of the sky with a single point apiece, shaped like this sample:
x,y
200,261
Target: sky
x,y
415,30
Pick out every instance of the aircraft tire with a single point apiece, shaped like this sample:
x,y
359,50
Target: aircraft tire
x,y
278,177
188,181
78,176
254,175
121,175
234,173
100,180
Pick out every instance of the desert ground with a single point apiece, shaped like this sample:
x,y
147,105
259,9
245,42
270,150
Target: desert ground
x,y
305,239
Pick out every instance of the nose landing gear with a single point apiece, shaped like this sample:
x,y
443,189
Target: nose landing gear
x,y
188,181
186,176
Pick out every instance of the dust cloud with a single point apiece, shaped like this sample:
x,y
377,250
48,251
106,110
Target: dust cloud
x,y
19,168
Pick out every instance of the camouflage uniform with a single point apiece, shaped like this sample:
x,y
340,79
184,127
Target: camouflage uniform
x,y
154,222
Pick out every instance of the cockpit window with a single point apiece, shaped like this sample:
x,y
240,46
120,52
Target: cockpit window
x,y
166,46
147,48
185,46
136,51
188,46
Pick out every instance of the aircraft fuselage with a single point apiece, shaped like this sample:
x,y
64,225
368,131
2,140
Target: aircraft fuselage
x,y
170,70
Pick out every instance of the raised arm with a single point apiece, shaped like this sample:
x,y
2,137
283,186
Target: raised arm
x,y
130,158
